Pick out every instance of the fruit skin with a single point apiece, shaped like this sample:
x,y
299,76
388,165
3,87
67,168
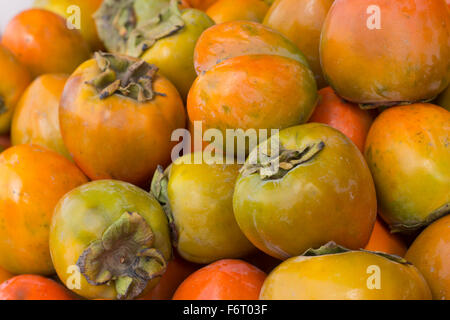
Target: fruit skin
x,y
91,126
430,253
301,21
87,9
174,55
227,10
329,198
41,41
253,92
177,271
241,38
15,78
200,4
346,117
444,99
344,276
397,63
5,275
223,280
36,119
33,287
101,203
382,240
32,181
201,201
407,152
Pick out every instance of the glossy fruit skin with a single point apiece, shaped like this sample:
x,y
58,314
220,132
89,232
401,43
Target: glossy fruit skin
x,y
15,78
286,217
201,200
430,253
344,276
200,4
41,41
247,10
253,92
382,240
5,275
33,287
397,63
36,119
241,38
346,117
407,151
128,152
32,181
177,271
101,203
301,21
223,280
174,55
87,9
444,99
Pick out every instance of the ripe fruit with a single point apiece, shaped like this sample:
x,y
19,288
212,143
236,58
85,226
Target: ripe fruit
x,y
380,52
408,154
301,21
41,41
118,132
32,180
346,117
201,4
32,287
5,275
86,9
253,92
247,10
36,119
168,41
321,191
430,253
241,38
177,271
223,280
335,273
115,234
199,197
14,80
382,240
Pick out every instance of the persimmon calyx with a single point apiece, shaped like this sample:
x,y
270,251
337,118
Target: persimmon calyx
x,y
432,217
124,256
333,248
125,76
274,167
3,108
133,26
158,189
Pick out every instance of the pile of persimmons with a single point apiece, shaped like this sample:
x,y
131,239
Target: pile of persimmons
x,y
349,198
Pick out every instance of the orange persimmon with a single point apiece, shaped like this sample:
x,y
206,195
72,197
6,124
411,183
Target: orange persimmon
x,y
382,240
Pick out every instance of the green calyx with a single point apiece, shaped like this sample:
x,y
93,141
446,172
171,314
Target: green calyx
x,y
432,217
133,26
124,76
158,189
333,248
274,167
3,108
384,105
124,256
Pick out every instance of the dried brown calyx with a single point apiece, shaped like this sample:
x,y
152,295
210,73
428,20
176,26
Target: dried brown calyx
x,y
274,167
125,76
132,26
158,189
333,248
124,256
